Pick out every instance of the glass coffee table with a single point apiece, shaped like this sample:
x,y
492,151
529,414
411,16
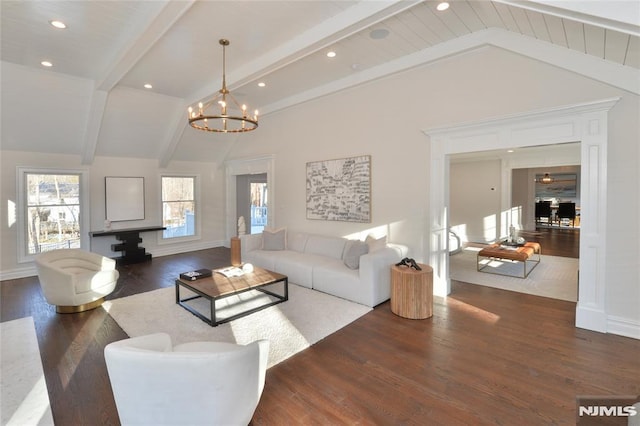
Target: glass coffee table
x,y
218,286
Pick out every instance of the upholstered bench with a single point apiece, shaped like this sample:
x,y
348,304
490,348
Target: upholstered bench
x,y
527,254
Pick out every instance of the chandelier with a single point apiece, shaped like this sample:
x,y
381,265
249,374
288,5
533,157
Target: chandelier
x,y
546,179
217,114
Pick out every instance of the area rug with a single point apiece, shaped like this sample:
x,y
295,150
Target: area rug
x,y
23,391
307,317
555,276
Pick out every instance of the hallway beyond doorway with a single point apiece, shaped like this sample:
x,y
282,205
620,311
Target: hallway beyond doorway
x,y
564,242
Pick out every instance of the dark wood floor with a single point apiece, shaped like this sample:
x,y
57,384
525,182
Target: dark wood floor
x,y
563,241
487,356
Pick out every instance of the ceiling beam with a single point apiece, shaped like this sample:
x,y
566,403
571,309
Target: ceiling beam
x,y
613,74
348,22
94,122
177,127
129,57
620,16
148,37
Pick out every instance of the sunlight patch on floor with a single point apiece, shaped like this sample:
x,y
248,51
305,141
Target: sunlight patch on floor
x,y
24,399
33,407
286,330
480,314
72,352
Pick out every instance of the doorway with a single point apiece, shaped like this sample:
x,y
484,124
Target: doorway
x,y
252,201
484,208
586,123
262,166
549,197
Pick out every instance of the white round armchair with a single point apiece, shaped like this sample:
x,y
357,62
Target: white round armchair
x,y
75,280
199,383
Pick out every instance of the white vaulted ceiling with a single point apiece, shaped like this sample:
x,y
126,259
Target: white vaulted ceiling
x,y
94,101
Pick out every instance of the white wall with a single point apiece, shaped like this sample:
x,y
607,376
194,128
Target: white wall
x,y
211,206
623,215
521,199
475,190
385,119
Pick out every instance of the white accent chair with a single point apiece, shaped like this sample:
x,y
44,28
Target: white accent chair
x,y
199,383
75,280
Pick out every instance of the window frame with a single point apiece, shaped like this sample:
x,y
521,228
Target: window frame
x,y
84,217
196,194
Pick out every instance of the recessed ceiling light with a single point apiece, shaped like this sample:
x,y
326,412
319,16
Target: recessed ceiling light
x,y
58,24
262,84
331,54
442,6
46,64
509,150
379,34
148,86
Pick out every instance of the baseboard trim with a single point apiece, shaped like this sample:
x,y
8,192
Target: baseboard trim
x,y
623,327
597,320
185,248
591,318
14,274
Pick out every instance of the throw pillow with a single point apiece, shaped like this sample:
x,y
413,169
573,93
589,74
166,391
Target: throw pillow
x,y
376,244
352,253
274,239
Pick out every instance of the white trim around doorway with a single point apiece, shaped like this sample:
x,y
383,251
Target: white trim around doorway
x,y
248,166
585,123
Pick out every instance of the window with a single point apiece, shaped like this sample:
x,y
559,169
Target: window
x,y
258,206
51,214
178,206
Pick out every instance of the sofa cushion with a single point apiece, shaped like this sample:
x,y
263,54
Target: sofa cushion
x,y
298,266
334,278
274,239
376,244
332,247
296,241
250,242
264,258
352,251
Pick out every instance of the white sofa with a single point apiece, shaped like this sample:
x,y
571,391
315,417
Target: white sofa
x,y
318,262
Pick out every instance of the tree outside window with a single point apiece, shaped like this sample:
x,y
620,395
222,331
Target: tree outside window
x,y
178,206
259,210
52,211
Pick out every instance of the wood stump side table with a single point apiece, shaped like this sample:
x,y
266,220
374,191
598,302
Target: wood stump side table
x,y
412,291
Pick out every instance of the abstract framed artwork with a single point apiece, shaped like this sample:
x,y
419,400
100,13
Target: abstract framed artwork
x,y
340,190
564,185
124,198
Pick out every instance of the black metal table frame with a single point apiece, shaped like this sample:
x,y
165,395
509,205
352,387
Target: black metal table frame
x,y
525,273
212,321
